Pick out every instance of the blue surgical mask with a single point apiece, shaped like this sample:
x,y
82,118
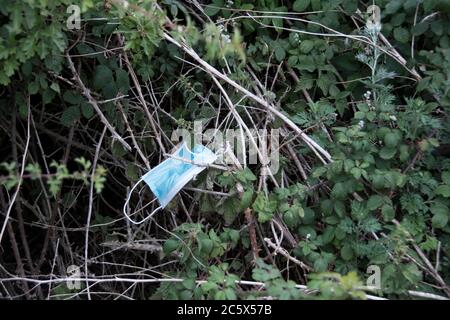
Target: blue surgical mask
x,y
170,176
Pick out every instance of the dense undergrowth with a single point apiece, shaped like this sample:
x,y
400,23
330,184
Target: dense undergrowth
x,y
363,181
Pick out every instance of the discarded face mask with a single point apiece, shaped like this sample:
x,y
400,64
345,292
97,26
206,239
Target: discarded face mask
x,y
170,176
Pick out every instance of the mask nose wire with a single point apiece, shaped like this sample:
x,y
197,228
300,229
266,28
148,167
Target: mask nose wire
x,y
128,200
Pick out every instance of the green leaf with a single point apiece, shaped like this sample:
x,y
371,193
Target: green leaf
x,y
339,191
72,97
277,23
55,87
387,153
393,6
316,5
87,110
33,87
374,202
440,215
231,209
206,245
246,200
214,8
170,245
437,27
446,177
391,139
320,265
443,190
122,81
48,96
347,252
388,212
70,115
401,35
360,115
420,28
306,46
300,5
264,207
103,76
280,53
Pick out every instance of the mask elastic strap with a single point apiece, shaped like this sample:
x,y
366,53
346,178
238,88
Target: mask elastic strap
x,y
128,200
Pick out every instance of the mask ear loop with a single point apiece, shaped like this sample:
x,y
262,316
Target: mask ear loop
x,y
128,200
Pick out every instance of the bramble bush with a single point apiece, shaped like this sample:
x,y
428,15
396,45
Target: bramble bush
x,y
106,98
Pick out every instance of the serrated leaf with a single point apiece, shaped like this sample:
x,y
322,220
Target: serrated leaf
x,y
374,202
446,177
440,215
443,190
246,200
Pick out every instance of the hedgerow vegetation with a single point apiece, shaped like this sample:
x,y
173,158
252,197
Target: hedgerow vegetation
x,y
364,173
